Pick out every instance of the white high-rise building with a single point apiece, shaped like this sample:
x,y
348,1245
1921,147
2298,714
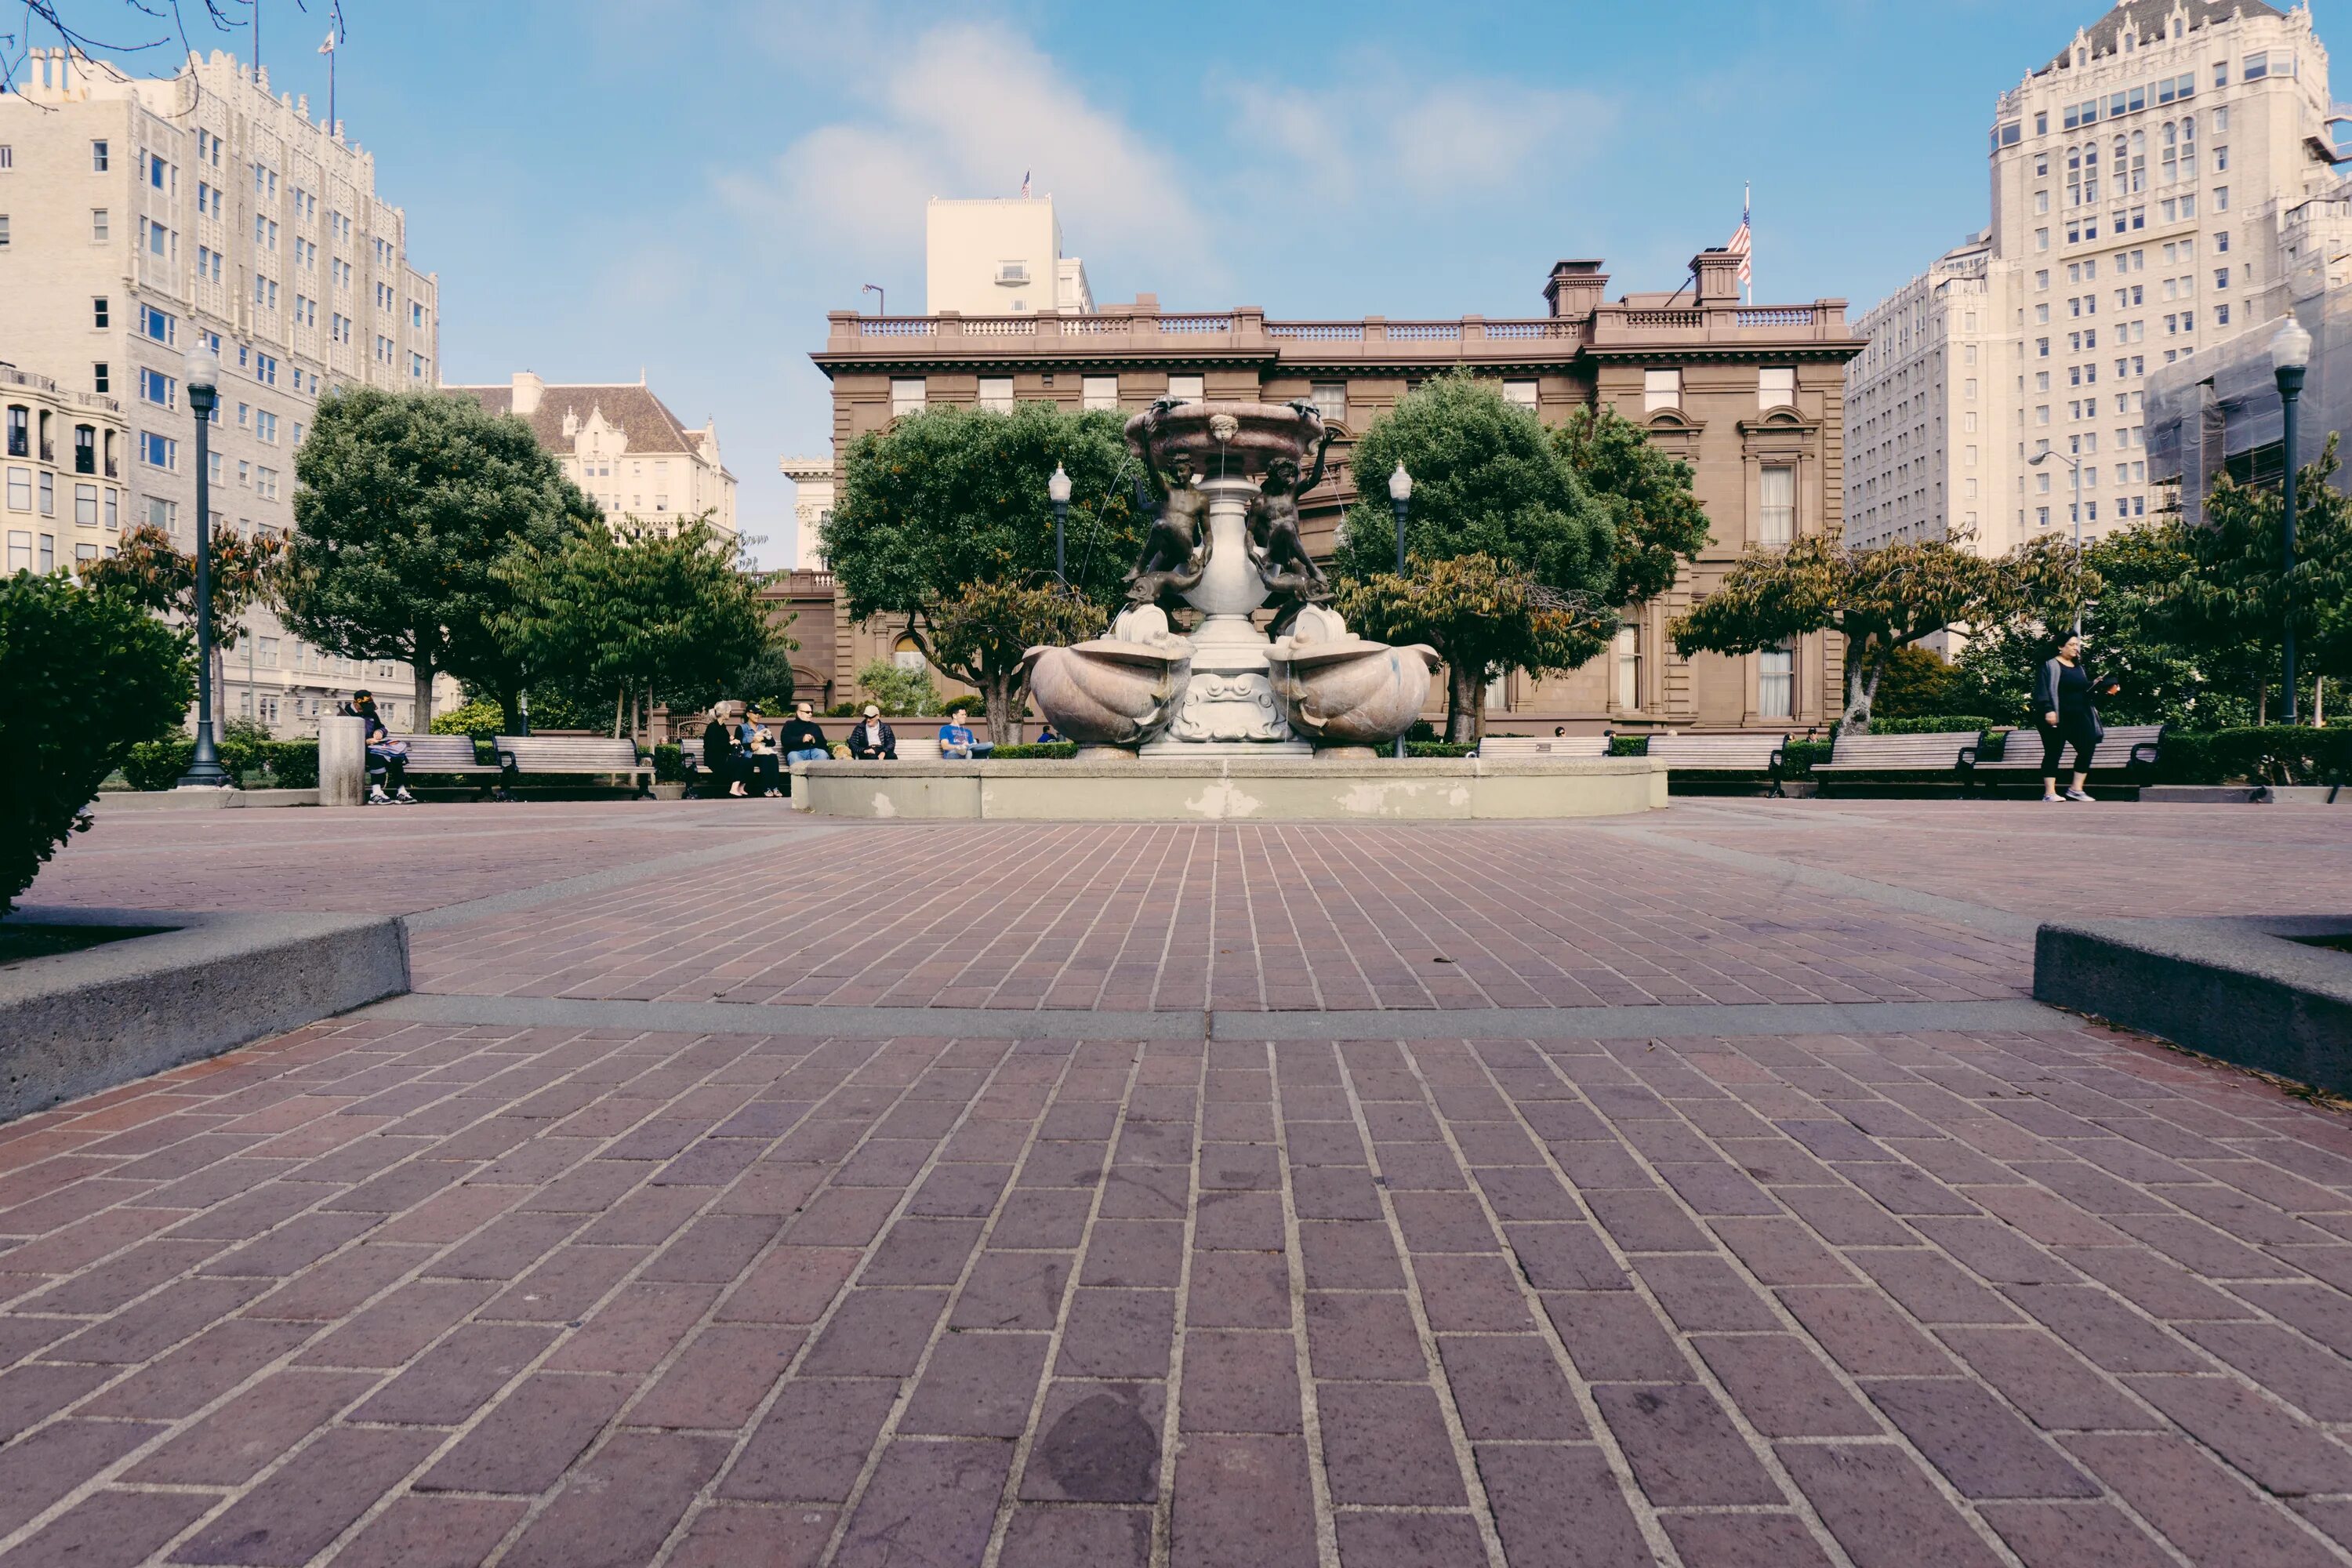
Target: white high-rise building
x,y
999,256
139,217
2143,184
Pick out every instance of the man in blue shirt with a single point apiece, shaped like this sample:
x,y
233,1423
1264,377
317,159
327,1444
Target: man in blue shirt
x,y
955,739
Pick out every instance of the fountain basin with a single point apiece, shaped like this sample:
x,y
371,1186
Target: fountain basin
x,y
1116,691
1227,440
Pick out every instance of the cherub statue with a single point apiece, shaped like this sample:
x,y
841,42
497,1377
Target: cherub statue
x,y
1176,551
1293,581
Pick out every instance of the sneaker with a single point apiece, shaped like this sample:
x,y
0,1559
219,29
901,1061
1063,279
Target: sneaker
x,y
2076,795
403,798
376,796
2053,800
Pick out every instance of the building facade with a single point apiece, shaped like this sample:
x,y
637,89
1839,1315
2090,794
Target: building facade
x,y
2145,184
624,448
1752,397
811,504
62,499
138,217
1000,258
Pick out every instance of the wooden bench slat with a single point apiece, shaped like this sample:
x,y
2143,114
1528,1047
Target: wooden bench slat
x,y
1717,751
1897,753
1557,746
443,754
558,754
2021,753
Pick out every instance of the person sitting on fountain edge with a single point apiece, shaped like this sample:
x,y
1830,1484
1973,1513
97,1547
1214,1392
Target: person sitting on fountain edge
x,y
955,737
870,740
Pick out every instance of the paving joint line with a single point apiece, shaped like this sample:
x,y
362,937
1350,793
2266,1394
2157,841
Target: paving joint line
x,y
1982,917
514,899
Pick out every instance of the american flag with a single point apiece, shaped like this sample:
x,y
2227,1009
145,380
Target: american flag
x,y
1739,244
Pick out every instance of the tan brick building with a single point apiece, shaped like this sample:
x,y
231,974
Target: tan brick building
x,y
1752,396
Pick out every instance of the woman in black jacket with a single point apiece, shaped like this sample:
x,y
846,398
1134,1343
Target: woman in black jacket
x,y
2063,712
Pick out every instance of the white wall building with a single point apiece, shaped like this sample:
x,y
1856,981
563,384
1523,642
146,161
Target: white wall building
x,y
1000,258
624,448
137,216
2144,182
811,504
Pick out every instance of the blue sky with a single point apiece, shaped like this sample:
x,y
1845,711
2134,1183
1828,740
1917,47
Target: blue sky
x,y
688,186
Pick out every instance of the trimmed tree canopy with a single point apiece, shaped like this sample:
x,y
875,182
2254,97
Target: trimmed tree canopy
x,y
406,506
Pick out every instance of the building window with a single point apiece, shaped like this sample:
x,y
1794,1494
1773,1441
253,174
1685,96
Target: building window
x,y
906,395
158,451
1099,393
98,158
46,562
20,551
86,506
1776,387
20,432
1629,669
1660,389
1521,393
1776,683
84,553
97,225
996,394
1330,399
1776,520
48,493
1186,388
20,489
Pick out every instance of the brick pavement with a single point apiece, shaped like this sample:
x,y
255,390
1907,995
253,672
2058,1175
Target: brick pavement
x,y
388,1292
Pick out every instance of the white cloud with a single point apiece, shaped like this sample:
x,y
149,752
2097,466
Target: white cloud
x,y
965,111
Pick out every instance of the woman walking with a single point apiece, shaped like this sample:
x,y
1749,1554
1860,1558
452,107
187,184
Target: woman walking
x,y
2065,716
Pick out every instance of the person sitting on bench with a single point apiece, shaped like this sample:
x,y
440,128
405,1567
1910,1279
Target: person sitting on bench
x,y
720,756
871,740
384,752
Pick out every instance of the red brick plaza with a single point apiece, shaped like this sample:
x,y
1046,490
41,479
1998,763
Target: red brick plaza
x,y
736,1189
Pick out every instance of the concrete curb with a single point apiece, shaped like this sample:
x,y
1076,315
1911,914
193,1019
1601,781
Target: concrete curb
x,y
114,800
2242,795
74,1023
2239,988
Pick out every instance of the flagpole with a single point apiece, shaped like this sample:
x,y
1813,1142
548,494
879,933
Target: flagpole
x,y
1747,208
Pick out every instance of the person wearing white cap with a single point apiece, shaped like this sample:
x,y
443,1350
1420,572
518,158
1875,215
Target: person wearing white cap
x,y
871,739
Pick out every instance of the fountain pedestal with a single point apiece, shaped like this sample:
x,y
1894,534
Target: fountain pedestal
x,y
1228,708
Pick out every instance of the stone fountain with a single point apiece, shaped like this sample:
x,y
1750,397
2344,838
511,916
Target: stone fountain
x,y
1225,544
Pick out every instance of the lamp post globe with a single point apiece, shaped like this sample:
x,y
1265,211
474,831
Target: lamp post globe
x,y
1400,497
2290,353
201,376
1057,490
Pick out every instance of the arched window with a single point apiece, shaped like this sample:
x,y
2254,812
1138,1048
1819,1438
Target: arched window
x,y
2139,167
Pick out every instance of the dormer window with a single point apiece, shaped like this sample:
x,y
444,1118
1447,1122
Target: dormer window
x,y
1012,274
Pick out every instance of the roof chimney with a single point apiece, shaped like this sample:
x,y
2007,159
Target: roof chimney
x,y
528,390
1719,275
1575,287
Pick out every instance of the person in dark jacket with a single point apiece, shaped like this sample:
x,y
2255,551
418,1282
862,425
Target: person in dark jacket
x,y
383,752
2064,714
799,738
870,740
719,755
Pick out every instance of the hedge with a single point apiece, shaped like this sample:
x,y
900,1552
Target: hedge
x,y
1629,745
1937,724
2274,753
1437,749
1797,759
670,764
1051,752
289,765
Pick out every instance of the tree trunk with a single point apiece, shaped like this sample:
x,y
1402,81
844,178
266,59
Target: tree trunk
x,y
1862,677
1460,705
996,693
509,708
620,703
421,665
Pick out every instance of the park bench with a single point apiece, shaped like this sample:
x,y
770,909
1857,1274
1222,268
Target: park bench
x,y
2128,749
1936,754
440,754
556,756
1542,748
1742,753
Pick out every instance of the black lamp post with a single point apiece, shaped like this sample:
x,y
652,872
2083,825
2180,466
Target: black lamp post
x,y
202,377
1057,490
1401,498
2290,352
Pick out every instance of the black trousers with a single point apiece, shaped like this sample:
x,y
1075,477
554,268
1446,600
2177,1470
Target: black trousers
x,y
2068,731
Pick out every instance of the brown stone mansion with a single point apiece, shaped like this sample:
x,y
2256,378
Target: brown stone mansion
x,y
1752,397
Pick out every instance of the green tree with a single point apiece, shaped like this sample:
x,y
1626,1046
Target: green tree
x,y
1878,600
407,508
899,693
1919,682
642,614
1489,481
149,571
981,634
84,677
1646,493
954,497
1484,618
766,680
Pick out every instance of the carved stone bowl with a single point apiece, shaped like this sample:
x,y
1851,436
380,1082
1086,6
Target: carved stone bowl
x,y
1344,690
1115,690
1232,440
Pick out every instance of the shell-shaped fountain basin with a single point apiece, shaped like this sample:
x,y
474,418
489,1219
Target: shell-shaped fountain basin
x,y
1115,690
1343,689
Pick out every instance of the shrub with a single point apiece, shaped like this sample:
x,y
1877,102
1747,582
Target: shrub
x,y
1051,752
1629,745
293,765
482,717
84,677
669,763
899,693
842,711
2274,754
1798,757
1439,748
1933,724
1918,682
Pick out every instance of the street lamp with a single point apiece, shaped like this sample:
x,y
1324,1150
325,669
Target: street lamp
x,y
202,375
2075,463
1401,498
1057,490
2290,352
881,296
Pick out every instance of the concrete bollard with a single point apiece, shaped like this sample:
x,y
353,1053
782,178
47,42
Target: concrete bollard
x,y
342,761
